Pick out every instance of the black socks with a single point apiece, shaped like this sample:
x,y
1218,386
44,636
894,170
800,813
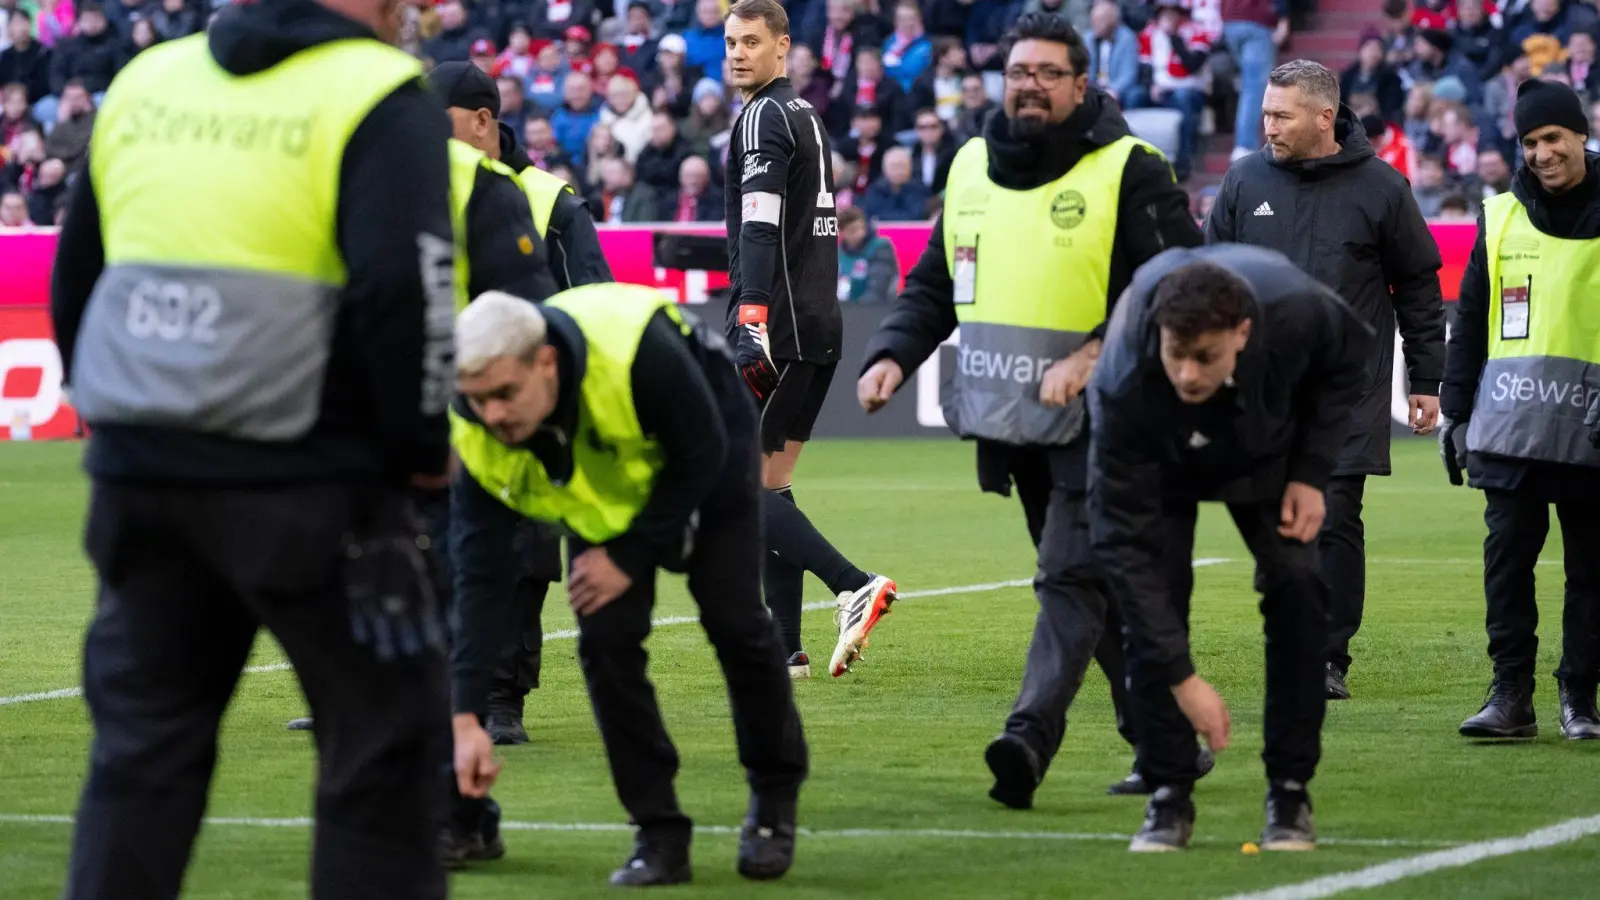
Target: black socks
x,y
796,547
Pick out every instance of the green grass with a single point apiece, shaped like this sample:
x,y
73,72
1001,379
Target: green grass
x,y
898,743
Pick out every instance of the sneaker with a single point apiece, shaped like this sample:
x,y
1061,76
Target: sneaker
x,y
1289,822
471,836
1334,680
655,862
766,841
799,665
1135,784
505,727
858,612
1168,823
1016,771
1508,711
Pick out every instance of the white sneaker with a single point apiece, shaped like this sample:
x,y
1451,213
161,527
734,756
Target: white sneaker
x,y
858,612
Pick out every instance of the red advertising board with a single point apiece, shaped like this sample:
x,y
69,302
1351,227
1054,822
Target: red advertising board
x,y
30,367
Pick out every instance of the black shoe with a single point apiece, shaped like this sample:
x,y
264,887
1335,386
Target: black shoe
x,y
1168,823
505,727
1135,784
472,834
766,842
1580,721
655,862
799,665
1337,690
1289,822
302,724
1016,771
1508,711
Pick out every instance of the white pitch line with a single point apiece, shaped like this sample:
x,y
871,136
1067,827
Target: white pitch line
x,y
1412,866
891,833
569,633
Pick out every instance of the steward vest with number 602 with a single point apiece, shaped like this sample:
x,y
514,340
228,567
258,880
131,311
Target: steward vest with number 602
x,y
1543,371
218,199
614,463
1031,271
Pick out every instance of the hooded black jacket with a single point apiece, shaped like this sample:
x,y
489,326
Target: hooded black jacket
x,y
1573,216
1153,215
1281,420
1350,221
572,242
394,186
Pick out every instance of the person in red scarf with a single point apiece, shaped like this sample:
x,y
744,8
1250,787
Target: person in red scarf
x,y
1391,145
694,200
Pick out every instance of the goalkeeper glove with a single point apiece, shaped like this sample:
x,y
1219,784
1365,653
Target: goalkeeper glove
x,y
1453,450
389,582
752,353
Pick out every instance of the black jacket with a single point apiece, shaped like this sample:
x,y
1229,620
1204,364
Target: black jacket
x,y
1351,222
688,397
1574,216
1153,215
572,241
29,68
94,60
371,424
504,250
1282,420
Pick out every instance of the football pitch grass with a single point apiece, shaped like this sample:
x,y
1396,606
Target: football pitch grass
x,y
896,804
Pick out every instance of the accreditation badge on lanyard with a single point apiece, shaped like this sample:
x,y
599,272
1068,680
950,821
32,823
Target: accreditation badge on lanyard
x,y
966,273
1514,309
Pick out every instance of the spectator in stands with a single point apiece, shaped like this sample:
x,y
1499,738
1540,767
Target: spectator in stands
x,y
607,66
539,140
1429,186
454,41
868,85
1493,176
896,196
483,54
513,103
939,86
1390,144
1175,49
92,56
575,46
907,52
670,84
16,114
1395,28
517,60
26,61
22,158
638,45
987,25
618,200
835,38
1419,106
69,139
628,114
566,173
1554,18
1433,14
49,186
1113,52
1254,30
1479,40
869,270
704,40
1593,144
1458,138
175,19
141,38
123,13
1371,74
1500,97
811,84
1580,69
707,120
1455,208
673,16
551,19
579,111
547,79
13,211
600,146
866,148
976,108
693,199
660,163
1434,61
844,182
933,153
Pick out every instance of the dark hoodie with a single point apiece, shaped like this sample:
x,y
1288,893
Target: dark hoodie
x,y
1571,216
571,240
1153,215
1350,221
371,425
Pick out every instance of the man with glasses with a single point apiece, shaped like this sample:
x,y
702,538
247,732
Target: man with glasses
x,y
1046,217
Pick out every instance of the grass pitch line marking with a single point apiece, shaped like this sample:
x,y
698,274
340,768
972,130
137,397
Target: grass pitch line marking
x,y
929,833
569,633
1412,866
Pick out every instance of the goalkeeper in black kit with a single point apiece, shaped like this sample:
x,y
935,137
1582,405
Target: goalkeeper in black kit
x,y
784,320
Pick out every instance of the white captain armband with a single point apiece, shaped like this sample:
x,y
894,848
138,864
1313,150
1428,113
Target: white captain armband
x,y
760,206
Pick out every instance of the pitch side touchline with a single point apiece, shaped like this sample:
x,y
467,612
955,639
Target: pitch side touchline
x,y
930,833
1412,866
569,633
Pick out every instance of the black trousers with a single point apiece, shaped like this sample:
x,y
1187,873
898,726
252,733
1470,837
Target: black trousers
x,y
1294,609
1518,523
187,578
1343,548
538,558
1077,620
724,570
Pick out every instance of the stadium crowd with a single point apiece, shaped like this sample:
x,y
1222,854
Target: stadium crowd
x,y
628,101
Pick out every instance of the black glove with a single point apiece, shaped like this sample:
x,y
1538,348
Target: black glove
x,y
1453,450
389,582
751,352
1592,419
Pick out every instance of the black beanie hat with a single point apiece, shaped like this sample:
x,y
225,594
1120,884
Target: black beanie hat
x,y
1374,126
1541,103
